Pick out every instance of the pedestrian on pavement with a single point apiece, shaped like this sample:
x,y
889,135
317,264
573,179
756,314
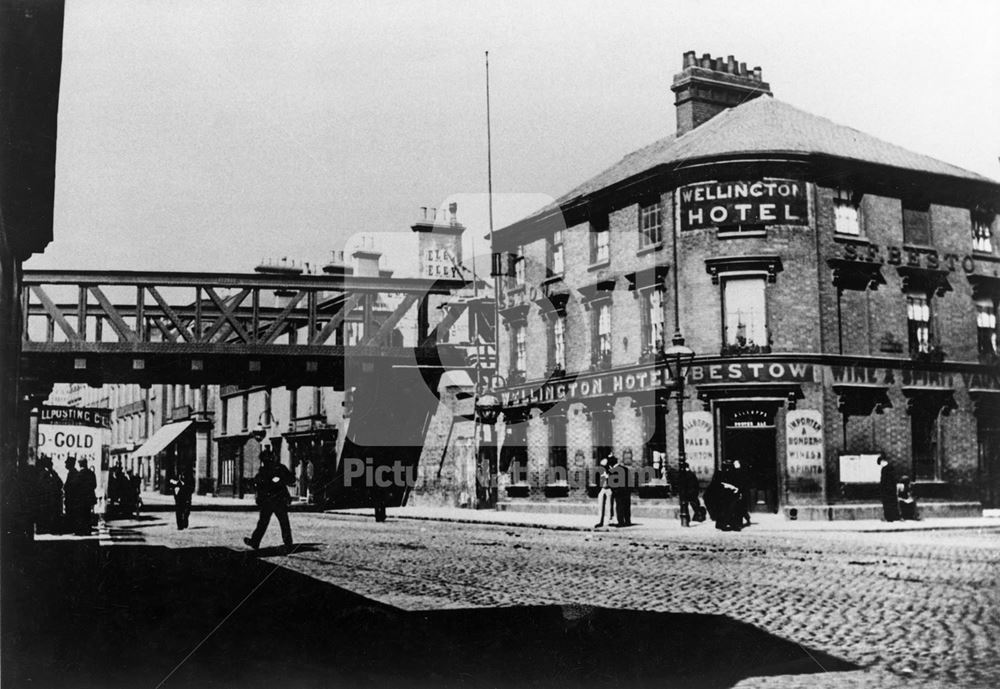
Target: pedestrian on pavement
x,y
907,503
50,497
723,499
887,490
183,487
272,483
688,489
742,481
605,502
81,496
621,490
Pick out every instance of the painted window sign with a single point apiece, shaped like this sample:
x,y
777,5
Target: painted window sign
x,y
761,202
699,443
804,445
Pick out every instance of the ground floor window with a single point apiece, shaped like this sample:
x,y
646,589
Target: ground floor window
x,y
925,432
602,434
557,442
654,437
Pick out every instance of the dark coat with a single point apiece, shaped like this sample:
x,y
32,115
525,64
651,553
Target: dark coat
x,y
271,483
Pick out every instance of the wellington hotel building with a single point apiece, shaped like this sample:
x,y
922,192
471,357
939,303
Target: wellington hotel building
x,y
839,292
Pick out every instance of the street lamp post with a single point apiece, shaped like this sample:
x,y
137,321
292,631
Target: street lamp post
x,y
679,358
488,409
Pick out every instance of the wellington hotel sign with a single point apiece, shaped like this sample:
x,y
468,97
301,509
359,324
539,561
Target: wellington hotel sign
x,y
761,202
650,379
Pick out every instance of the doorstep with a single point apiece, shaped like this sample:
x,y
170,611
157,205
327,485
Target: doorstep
x,y
860,511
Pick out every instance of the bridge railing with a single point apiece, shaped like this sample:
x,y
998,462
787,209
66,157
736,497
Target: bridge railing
x,y
229,309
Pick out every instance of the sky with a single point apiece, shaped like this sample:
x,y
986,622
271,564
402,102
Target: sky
x,y
209,135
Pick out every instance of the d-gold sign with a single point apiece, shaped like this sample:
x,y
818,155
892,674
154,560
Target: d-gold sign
x,y
762,202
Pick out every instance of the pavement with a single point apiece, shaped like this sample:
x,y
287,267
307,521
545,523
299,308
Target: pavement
x,y
425,602
763,523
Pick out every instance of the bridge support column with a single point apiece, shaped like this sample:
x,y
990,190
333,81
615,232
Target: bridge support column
x,y
203,458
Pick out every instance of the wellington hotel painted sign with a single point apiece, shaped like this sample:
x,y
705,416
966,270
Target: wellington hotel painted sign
x,y
651,379
640,381
759,202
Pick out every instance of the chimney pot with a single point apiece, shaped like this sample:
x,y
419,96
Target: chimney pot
x,y
699,97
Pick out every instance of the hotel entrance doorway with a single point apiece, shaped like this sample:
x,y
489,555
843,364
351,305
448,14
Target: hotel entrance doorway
x,y
748,435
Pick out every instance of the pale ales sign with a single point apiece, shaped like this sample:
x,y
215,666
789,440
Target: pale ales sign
x,y
699,443
804,443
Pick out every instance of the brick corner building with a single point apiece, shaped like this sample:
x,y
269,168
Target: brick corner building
x,y
840,293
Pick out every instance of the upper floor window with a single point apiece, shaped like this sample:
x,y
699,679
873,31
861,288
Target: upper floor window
x,y
846,215
225,414
744,311
556,262
650,225
652,318
600,241
559,343
918,322
986,321
519,350
916,223
518,267
602,334
982,236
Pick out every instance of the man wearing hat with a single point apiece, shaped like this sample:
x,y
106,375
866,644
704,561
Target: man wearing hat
x,y
605,501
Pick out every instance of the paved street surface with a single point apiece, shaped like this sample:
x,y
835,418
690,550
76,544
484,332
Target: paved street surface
x,y
428,603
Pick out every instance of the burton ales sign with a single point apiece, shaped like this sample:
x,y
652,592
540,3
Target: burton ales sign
x,y
761,202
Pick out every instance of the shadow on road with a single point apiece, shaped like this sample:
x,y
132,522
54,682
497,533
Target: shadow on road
x,y
77,615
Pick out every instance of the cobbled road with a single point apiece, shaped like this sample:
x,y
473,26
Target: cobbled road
x,y
912,609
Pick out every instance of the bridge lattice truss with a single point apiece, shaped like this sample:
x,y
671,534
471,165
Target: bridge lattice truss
x,y
223,327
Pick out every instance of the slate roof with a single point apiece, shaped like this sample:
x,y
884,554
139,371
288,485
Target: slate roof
x,y
765,125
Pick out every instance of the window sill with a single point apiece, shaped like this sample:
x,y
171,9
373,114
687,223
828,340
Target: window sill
x,y
984,255
554,277
737,235
599,265
557,490
652,248
851,239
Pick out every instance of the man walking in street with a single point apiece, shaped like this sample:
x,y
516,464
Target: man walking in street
x,y
272,483
183,486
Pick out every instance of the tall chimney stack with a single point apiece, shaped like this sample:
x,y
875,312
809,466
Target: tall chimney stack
x,y
706,86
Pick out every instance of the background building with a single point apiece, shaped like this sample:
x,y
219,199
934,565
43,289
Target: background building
x,y
840,293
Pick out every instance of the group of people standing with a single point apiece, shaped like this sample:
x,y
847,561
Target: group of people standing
x,y
898,501
614,496
65,506
726,496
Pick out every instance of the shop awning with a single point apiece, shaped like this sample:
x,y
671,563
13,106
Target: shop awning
x,y
162,438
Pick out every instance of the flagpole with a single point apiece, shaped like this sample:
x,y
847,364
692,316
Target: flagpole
x,y
494,456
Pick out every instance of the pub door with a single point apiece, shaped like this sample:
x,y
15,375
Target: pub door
x,y
748,435
989,463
